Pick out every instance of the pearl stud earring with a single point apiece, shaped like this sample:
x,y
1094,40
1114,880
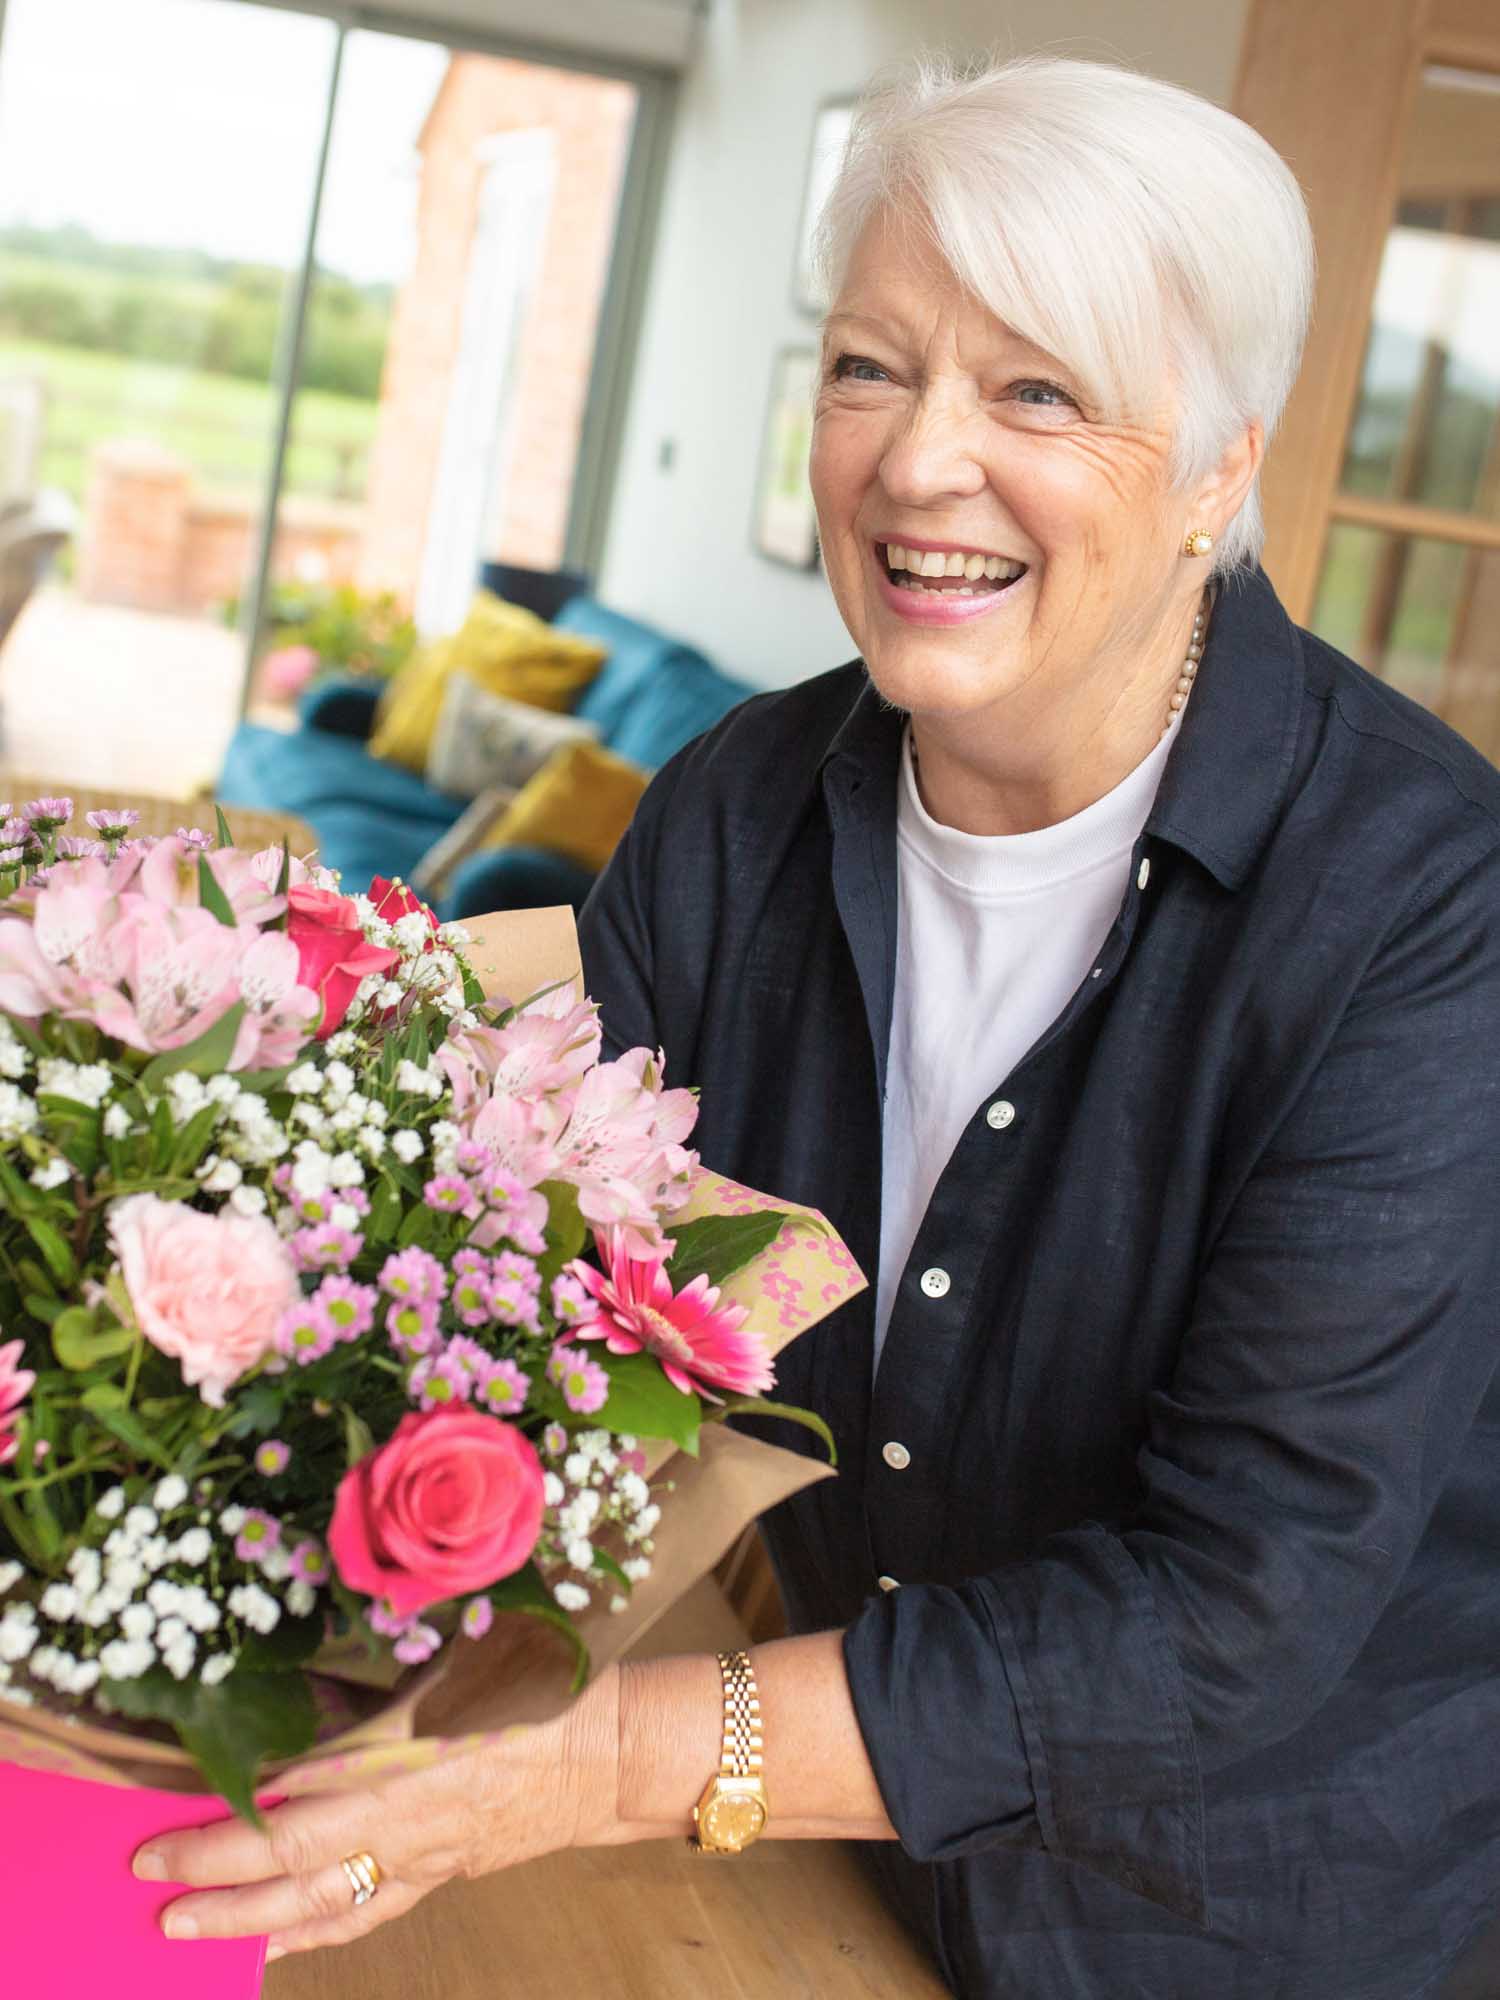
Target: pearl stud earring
x,y
1198,543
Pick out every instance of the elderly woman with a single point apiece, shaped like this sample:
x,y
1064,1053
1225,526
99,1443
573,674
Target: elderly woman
x,y
1118,967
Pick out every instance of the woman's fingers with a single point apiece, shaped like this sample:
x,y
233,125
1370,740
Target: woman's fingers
x,y
393,1900
298,1838
287,1907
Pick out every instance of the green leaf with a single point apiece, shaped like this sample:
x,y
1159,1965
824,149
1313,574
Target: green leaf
x,y
259,1410
44,1525
359,1439
50,1240
716,1246
226,838
757,1406
605,1561
567,1232
192,1140
103,1396
230,1730
211,896
205,1057
78,1343
385,1214
526,1592
642,1401
292,1642
284,872
40,1307
20,1198
133,1434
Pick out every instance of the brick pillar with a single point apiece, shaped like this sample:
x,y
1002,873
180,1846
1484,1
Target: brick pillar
x,y
131,541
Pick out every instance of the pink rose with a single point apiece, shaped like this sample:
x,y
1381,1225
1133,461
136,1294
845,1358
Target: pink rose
x,y
449,1505
394,900
332,952
207,1289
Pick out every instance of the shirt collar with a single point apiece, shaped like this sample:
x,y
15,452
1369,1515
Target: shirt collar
x,y
1222,791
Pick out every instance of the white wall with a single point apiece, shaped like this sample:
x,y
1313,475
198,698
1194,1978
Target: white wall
x,y
678,551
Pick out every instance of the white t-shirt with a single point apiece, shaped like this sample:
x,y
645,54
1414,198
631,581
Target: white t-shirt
x,y
994,935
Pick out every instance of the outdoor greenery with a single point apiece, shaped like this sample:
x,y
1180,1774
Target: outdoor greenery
x,y
350,630
178,346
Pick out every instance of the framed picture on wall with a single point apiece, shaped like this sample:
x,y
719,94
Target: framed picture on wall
x,y
830,136
786,526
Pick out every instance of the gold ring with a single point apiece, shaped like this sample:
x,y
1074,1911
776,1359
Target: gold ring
x,y
363,1872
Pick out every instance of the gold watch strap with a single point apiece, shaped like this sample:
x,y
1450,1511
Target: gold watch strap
x,y
743,1742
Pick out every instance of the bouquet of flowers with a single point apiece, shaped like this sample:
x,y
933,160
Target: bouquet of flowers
x,y
304,1370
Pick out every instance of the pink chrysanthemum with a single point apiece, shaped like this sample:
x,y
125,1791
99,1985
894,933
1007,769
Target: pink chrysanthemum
x,y
259,1534
325,1247
350,1307
15,1386
471,1294
478,1617
449,1193
570,1299
503,1388
584,1384
413,1326
310,1563
113,822
440,1380
305,1333
417,1644
413,1274
554,1440
700,1344
272,1458
45,813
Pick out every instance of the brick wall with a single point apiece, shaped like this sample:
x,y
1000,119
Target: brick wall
x,y
590,119
151,539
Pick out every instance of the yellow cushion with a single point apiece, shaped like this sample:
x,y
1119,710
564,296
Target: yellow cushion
x,y
577,805
507,650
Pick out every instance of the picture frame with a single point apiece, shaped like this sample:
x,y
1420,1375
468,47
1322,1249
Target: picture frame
x,y
785,527
831,127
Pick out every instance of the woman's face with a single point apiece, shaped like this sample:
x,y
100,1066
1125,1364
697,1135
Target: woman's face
x,y
943,440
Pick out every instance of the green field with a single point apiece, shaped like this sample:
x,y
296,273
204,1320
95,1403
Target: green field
x,y
220,424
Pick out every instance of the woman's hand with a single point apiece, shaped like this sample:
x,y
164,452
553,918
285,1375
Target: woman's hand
x,y
510,1799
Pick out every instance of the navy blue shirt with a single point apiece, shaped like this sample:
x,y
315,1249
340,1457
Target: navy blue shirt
x,y
1190,1477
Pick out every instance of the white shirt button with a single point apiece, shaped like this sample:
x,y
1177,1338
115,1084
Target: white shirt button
x,y
887,1583
1143,875
935,1283
896,1456
1000,1115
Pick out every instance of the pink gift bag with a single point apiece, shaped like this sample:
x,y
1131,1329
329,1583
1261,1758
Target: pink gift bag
x,y
76,1923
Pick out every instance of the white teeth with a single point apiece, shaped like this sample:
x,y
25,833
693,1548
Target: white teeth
x,y
955,565
934,564
974,568
947,563
895,555
963,591
992,566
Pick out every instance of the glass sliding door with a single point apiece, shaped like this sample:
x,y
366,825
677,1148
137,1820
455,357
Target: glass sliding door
x,y
157,166
464,245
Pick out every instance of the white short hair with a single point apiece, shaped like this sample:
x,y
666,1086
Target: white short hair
x,y
1152,242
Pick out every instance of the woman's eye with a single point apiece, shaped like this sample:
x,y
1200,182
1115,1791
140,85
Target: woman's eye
x,y
1041,395
855,368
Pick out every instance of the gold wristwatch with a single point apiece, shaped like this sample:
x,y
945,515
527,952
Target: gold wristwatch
x,y
734,1808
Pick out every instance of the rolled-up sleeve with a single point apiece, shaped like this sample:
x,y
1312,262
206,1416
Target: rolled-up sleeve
x,y
1342,1338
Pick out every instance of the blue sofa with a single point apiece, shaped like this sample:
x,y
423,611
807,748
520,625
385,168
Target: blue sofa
x,y
653,695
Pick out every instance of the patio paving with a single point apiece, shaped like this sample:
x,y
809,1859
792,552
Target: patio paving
x,y
98,695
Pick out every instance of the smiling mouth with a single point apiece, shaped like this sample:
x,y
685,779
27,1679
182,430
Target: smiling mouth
x,y
947,572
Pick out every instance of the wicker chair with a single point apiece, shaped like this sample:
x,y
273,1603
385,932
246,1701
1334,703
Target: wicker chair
x,y
159,816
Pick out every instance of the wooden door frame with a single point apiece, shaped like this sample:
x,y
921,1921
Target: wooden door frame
x,y
1331,84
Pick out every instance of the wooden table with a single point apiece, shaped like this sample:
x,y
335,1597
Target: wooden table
x,y
790,1920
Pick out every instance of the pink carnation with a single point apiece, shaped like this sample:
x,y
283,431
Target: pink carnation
x,y
206,1289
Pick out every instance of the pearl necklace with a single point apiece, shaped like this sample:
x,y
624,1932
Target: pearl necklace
x,y
1189,672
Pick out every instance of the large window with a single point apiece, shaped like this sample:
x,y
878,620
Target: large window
x,y
288,311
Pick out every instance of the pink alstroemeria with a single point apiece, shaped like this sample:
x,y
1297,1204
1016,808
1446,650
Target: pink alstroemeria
x,y
15,1386
700,1344
546,1049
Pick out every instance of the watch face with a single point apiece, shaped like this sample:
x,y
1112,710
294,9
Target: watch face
x,y
733,1819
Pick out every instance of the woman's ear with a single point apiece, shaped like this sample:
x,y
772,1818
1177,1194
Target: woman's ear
x,y
1220,496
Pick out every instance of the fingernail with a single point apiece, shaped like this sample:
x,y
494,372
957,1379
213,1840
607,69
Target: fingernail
x,y
180,1927
150,1866
273,1952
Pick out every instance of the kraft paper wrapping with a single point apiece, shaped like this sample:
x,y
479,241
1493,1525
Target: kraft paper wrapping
x,y
520,1671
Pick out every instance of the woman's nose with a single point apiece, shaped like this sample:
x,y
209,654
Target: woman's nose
x,y
934,456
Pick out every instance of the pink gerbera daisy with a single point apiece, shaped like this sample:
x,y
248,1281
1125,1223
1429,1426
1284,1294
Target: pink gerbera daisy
x,y
700,1344
15,1382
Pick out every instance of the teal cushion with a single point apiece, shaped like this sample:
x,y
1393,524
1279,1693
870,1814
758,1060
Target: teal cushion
x,y
653,694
